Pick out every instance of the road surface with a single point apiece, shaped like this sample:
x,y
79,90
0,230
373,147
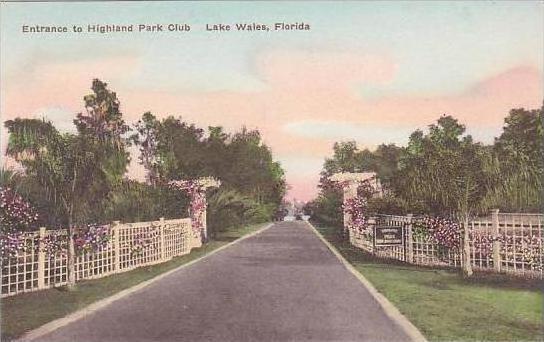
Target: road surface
x,y
280,285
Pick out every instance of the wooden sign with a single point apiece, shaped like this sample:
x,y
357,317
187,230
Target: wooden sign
x,y
388,236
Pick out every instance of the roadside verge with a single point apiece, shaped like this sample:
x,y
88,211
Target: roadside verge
x,y
159,273
390,310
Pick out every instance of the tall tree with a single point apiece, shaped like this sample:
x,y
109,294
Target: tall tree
x,y
76,171
387,157
519,162
103,127
445,170
439,168
63,164
146,137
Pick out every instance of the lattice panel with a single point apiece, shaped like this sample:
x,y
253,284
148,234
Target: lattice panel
x,y
19,273
518,241
131,245
139,244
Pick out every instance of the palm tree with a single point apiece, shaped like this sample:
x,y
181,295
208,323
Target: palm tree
x,y
63,164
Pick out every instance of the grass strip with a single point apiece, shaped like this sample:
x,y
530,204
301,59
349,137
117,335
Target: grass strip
x,y
444,306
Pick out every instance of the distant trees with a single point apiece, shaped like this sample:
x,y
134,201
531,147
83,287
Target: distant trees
x,y
444,172
173,149
348,158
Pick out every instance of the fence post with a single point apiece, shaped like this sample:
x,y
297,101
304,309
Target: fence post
x,y
373,221
161,232
496,242
116,248
467,262
410,244
41,259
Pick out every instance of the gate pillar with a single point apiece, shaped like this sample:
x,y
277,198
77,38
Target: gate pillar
x,y
196,188
349,183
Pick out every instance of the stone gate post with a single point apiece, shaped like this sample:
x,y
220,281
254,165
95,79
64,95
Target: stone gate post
x,y
349,182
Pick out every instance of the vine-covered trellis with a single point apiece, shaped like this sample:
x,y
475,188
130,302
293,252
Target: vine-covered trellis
x,y
356,188
511,243
196,188
34,260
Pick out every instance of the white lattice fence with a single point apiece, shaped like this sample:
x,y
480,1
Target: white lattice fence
x,y
20,272
514,239
428,253
131,245
361,240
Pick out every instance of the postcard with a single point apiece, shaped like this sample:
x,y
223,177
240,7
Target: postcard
x,y
271,170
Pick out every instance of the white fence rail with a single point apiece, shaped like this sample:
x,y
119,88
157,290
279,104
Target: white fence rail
x,y
131,245
504,243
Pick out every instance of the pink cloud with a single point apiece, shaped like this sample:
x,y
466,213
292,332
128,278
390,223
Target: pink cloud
x,y
303,188
299,86
485,103
60,85
322,71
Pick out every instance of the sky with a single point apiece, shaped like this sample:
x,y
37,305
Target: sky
x,y
367,71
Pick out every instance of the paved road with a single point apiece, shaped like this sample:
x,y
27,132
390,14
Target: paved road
x,y
280,285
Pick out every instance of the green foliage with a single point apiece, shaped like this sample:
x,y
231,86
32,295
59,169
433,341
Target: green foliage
x,y
171,149
74,172
327,208
518,163
444,172
133,201
62,164
103,118
102,128
79,178
228,208
388,204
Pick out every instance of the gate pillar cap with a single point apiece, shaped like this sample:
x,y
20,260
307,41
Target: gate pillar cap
x,y
352,177
203,183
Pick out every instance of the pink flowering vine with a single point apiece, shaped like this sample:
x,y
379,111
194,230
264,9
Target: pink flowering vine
x,y
92,238
524,248
355,207
13,244
196,188
442,231
55,244
197,195
16,214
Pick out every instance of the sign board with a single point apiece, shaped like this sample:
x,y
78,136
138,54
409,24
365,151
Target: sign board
x,y
388,236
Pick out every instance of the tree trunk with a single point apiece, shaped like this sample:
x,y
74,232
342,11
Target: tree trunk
x,y
71,257
71,262
467,267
